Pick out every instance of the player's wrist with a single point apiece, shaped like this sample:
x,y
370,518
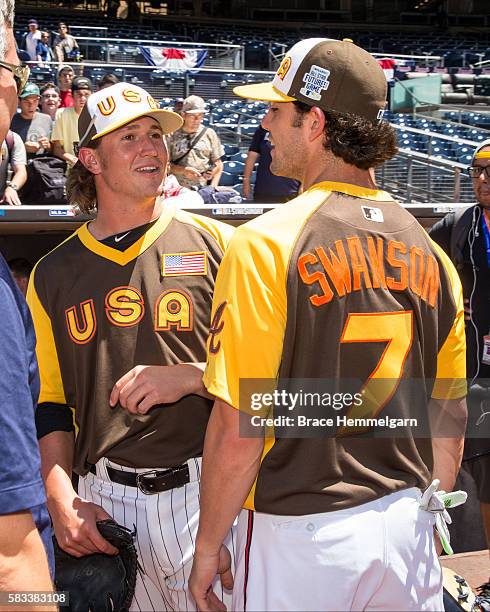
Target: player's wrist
x,y
191,378
206,549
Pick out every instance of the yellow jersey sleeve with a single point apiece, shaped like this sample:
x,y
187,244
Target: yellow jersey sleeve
x,y
248,317
49,368
250,301
221,232
451,361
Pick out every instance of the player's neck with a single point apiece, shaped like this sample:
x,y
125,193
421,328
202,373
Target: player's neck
x,y
335,170
112,220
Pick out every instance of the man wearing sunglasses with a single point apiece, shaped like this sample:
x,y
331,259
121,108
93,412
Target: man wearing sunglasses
x,y
465,236
24,521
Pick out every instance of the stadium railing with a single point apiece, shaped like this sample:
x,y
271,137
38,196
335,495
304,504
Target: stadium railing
x,y
416,178
119,50
207,82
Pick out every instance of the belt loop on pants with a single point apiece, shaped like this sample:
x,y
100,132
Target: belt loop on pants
x,y
153,481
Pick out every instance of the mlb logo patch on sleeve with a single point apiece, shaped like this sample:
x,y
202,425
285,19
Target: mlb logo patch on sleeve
x,y
373,214
184,264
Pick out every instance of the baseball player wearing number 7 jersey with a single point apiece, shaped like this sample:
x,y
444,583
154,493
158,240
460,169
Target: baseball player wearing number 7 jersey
x,y
339,293
122,312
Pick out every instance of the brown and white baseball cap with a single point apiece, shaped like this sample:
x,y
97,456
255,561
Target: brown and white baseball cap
x,y
331,74
113,107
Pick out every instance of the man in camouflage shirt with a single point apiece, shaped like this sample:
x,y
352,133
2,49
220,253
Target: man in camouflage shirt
x,y
195,151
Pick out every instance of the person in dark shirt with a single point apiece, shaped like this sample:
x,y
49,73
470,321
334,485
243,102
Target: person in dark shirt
x,y
21,271
466,239
43,49
268,186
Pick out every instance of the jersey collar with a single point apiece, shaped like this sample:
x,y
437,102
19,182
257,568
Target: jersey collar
x,y
353,190
140,246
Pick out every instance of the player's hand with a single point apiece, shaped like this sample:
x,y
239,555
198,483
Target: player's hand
x,y
10,197
32,146
75,527
191,173
146,386
204,569
45,143
467,309
71,159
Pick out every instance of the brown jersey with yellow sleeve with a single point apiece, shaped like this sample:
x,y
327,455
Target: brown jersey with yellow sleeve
x,y
339,284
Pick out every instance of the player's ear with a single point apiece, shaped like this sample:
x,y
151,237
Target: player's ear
x,y
317,122
88,157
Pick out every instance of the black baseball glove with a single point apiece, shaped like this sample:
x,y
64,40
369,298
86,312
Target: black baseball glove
x,y
100,582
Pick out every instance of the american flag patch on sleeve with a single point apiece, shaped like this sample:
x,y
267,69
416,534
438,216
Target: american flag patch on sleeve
x,y
184,264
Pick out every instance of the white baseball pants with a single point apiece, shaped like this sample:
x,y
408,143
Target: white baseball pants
x,y
377,556
166,526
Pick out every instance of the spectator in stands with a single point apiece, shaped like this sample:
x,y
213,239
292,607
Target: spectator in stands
x,y
65,45
21,271
465,236
195,152
50,100
43,50
65,79
65,131
13,153
107,80
268,187
178,104
30,39
32,126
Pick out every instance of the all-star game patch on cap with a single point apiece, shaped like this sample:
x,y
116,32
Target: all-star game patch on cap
x,y
109,109
334,75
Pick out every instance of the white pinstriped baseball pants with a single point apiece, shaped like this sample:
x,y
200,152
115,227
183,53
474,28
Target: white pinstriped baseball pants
x,y
166,526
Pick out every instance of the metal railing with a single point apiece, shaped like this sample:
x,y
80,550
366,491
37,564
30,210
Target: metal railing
x,y
125,51
425,59
207,82
436,115
431,136
414,177
75,28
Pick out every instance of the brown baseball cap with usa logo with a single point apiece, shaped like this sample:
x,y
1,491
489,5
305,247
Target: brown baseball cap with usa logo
x,y
334,75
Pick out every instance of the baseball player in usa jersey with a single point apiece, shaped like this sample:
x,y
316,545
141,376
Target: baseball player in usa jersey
x,y
122,312
336,351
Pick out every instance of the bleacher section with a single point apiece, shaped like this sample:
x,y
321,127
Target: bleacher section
x,y
262,44
439,147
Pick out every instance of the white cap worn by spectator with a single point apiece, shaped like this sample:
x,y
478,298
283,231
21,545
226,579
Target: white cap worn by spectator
x,y
194,105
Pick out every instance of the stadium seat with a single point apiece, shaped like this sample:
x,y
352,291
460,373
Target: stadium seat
x,y
234,167
231,150
227,179
239,157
